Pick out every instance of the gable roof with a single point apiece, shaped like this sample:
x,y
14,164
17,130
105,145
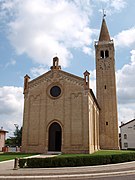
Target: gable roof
x,y
127,123
1,130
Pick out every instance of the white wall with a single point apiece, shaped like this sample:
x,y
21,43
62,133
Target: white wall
x,y
129,131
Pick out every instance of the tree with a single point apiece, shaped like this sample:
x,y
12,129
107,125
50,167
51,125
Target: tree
x,y
18,136
16,139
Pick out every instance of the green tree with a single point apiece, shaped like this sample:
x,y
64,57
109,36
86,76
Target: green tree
x,y
18,136
16,139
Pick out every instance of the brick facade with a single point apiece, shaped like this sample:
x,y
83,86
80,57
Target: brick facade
x,y
61,112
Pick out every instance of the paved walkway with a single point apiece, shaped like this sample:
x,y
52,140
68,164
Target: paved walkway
x,y
7,172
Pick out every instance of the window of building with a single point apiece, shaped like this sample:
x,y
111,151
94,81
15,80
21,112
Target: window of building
x,y
107,123
102,54
134,127
125,136
106,54
125,145
105,86
55,91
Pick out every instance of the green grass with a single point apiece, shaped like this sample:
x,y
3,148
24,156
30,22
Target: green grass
x,y
10,156
101,152
111,152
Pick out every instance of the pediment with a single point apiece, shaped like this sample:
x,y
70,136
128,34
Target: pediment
x,y
55,76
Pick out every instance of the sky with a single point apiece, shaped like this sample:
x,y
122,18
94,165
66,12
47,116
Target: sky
x,y
33,32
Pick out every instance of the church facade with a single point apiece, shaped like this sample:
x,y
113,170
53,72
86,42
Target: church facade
x,y
61,112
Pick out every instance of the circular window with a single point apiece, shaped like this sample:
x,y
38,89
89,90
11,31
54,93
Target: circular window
x,y
55,91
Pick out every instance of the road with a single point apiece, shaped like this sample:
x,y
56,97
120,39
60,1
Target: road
x,y
68,177
121,171
118,177
123,177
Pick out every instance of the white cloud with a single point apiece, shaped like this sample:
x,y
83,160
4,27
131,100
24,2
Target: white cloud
x,y
87,50
126,77
45,27
132,57
37,71
111,6
126,112
11,109
126,90
126,81
118,4
126,38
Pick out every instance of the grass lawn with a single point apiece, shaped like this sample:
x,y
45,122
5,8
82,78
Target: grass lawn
x,y
10,156
111,152
100,152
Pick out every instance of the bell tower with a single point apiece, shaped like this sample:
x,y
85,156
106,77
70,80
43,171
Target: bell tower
x,y
106,90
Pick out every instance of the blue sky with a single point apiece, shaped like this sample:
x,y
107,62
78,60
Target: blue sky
x,y
33,32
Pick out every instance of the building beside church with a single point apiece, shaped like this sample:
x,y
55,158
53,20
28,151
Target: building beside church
x,y
2,138
127,131
61,112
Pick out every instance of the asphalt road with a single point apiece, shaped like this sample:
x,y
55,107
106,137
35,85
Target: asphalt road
x,y
118,177
121,171
123,177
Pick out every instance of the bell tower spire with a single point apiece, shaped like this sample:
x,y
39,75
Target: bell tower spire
x,y
106,89
104,33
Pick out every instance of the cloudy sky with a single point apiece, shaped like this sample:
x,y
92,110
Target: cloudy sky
x,y
33,32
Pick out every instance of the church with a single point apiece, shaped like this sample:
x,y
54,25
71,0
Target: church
x,y
61,112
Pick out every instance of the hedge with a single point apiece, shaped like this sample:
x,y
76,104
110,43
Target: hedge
x,y
75,161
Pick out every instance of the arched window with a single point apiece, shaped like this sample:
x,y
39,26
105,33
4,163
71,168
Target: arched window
x,y
125,136
102,54
106,54
126,145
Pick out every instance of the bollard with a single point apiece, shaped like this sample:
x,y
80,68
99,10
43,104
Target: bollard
x,y
16,163
16,148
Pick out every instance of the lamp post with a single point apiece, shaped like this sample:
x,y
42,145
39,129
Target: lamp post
x,y
16,135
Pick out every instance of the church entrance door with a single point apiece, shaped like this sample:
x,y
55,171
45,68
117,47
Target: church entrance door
x,y
55,136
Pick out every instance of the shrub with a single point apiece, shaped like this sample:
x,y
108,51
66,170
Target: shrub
x,y
71,161
123,157
39,162
65,161
22,163
131,149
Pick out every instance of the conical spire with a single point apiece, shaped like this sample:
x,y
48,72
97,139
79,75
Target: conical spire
x,y
104,34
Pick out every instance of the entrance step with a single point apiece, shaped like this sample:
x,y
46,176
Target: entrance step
x,y
53,152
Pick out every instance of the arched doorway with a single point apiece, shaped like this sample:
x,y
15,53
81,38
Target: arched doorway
x,y
55,137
